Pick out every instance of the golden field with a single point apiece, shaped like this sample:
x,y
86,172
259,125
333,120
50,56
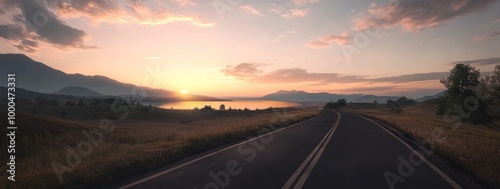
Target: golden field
x,y
475,148
140,142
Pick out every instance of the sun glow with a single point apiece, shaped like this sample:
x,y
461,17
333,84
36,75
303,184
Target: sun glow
x,y
184,91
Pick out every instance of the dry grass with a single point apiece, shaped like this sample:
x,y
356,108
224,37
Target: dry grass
x,y
475,148
135,145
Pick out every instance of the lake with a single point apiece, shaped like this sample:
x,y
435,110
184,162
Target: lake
x,y
235,104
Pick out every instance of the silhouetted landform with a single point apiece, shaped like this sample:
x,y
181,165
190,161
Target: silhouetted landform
x,y
36,76
27,94
302,96
78,91
425,98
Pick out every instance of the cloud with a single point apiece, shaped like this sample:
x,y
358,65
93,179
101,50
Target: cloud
x,y
412,77
252,72
481,62
417,15
303,2
293,13
251,10
283,35
184,3
96,10
144,15
33,23
497,21
18,34
133,12
326,41
489,36
243,71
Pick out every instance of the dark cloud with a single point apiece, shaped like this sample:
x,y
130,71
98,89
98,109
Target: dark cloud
x,y
17,34
481,62
36,23
416,15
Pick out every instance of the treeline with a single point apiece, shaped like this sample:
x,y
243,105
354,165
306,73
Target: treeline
x,y
335,105
469,96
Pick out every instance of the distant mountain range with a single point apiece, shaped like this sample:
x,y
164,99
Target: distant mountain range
x,y
36,76
430,97
78,91
302,96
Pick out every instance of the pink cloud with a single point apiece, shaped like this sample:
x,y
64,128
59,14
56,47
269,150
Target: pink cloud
x,y
417,15
251,10
489,36
326,41
302,2
295,13
184,3
134,12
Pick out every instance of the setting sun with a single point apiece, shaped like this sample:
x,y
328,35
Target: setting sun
x,y
184,91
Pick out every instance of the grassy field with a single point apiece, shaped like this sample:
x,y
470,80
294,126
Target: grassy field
x,y
475,148
89,152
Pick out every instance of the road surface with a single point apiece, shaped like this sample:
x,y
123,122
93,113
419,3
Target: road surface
x,y
333,150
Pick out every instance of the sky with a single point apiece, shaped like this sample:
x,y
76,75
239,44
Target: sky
x,y
229,48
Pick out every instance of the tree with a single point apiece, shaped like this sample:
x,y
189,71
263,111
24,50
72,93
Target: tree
x,y
489,91
461,81
403,101
460,94
342,102
390,103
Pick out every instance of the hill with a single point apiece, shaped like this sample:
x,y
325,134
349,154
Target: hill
x,y
302,96
36,76
78,91
430,97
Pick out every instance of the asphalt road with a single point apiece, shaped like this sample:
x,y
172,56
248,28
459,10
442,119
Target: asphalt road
x,y
333,150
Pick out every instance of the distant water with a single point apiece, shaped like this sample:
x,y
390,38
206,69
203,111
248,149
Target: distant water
x,y
235,104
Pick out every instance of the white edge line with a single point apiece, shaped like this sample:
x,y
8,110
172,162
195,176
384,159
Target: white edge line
x,y
430,164
311,166
211,154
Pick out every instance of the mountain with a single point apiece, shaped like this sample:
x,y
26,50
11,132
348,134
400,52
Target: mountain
x,y
78,91
36,76
302,96
430,97
27,94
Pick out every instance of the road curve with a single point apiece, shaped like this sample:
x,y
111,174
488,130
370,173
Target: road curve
x,y
333,150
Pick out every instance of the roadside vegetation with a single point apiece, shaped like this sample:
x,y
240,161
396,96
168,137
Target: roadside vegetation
x,y
467,115
87,154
